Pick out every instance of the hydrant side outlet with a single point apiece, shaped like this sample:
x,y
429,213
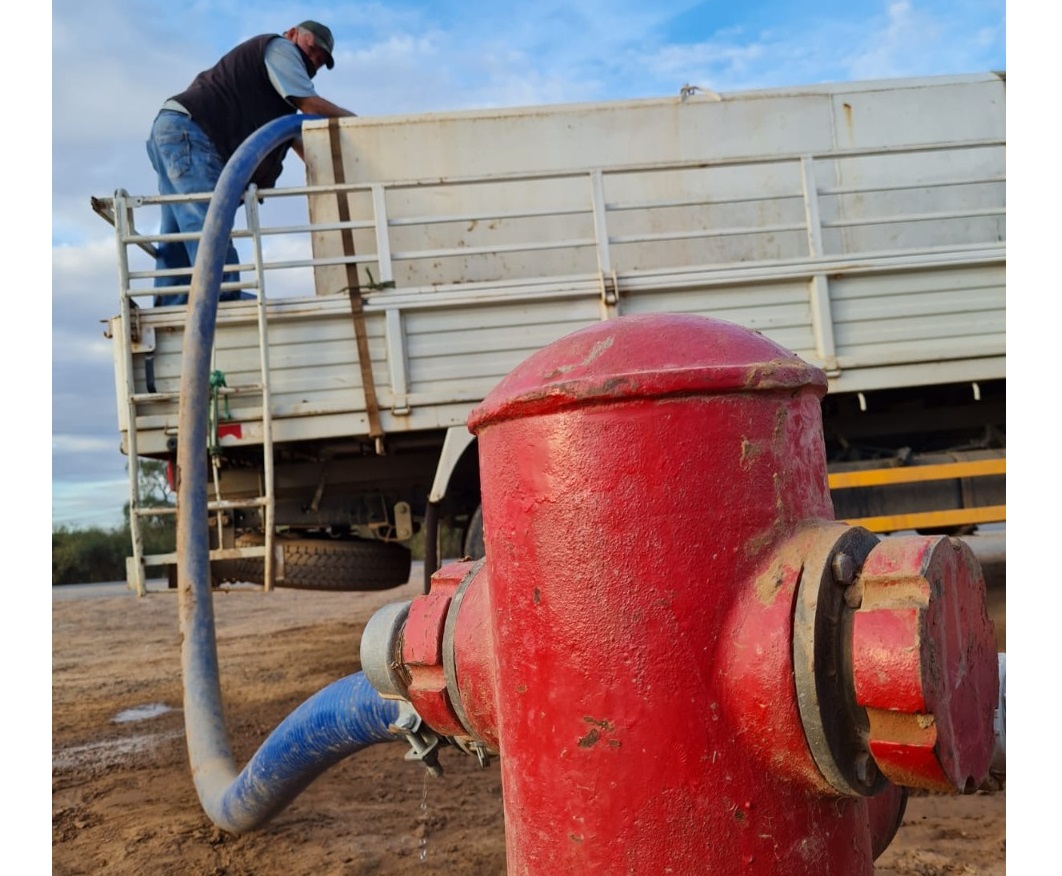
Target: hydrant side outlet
x,y
924,661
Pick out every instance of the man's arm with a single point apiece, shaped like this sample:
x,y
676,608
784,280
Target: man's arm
x,y
318,106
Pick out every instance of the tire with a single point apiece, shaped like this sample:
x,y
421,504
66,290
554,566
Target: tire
x,y
216,580
474,536
325,564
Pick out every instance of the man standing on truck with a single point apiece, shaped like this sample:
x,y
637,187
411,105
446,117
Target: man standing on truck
x,y
196,131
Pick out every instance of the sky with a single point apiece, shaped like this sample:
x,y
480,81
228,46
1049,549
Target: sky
x,y
114,61
396,58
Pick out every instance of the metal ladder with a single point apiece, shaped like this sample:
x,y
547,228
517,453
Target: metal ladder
x,y
122,218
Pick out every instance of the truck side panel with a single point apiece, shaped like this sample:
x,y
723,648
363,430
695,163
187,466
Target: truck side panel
x,y
860,225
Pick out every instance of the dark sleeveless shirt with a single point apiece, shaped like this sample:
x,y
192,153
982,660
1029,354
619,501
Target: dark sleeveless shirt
x,y
235,97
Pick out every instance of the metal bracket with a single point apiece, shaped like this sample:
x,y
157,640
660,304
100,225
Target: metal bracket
x,y
315,502
609,288
472,746
141,337
423,742
403,521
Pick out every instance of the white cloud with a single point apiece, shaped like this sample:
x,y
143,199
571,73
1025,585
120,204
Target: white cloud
x,y
80,443
89,503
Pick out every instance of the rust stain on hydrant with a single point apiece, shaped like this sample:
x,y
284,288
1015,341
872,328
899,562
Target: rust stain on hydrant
x,y
590,739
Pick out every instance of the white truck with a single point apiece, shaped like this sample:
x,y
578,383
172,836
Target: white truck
x,y
861,225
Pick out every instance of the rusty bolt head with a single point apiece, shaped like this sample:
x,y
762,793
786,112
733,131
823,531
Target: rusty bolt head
x,y
864,769
924,663
844,569
405,721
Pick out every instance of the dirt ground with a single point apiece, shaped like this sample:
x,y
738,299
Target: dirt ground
x,y
123,800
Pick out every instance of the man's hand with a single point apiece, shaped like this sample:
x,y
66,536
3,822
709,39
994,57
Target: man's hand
x,y
318,106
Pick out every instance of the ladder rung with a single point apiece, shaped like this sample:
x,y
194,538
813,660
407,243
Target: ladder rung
x,y
148,397
236,553
217,505
156,511
226,504
216,554
142,397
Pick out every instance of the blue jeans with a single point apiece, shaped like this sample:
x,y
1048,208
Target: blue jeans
x,y
186,162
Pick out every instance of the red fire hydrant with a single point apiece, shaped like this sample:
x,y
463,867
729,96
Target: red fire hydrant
x,y
685,664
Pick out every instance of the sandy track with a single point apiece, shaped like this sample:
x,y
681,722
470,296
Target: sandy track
x,y
123,800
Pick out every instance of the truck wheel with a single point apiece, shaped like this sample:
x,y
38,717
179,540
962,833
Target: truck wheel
x,y
474,535
326,564
216,580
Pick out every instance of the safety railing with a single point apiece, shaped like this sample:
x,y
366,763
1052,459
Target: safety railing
x,y
615,234
952,518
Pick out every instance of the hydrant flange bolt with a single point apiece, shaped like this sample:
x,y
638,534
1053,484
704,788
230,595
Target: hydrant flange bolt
x,y
844,569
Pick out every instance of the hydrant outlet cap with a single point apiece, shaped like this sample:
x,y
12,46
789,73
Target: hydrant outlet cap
x,y
645,356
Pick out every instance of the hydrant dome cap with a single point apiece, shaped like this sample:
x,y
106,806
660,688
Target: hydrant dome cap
x,y
645,356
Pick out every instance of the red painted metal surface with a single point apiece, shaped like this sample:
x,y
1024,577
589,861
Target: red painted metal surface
x,y
475,663
230,430
422,651
656,642
634,476
424,641
924,662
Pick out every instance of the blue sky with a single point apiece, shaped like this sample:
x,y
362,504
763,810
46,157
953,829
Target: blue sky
x,y
401,57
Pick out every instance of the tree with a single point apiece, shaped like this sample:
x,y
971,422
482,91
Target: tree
x,y
81,556
153,490
158,532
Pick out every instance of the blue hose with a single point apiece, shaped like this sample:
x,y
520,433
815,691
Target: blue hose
x,y
334,723
341,719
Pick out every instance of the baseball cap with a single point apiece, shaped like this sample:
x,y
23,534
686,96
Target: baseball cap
x,y
324,39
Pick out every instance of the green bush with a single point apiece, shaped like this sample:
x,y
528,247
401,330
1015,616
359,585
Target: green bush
x,y
88,555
